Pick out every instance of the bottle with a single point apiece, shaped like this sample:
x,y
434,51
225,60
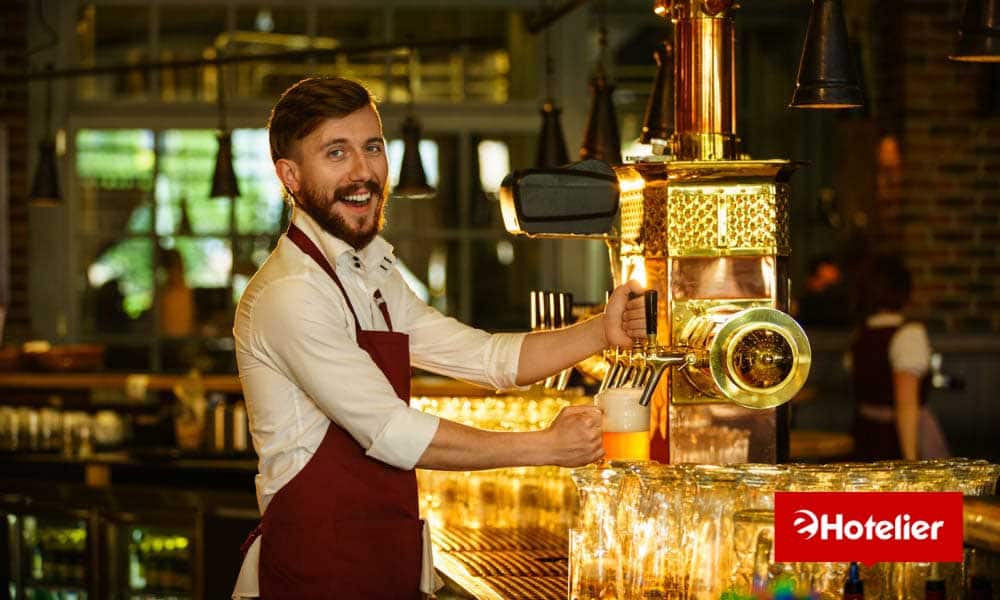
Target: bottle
x,y
934,588
854,588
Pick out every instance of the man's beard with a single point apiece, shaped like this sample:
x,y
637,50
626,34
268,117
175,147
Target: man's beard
x,y
319,205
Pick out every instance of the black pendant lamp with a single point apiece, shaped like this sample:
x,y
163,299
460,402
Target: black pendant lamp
x,y
224,177
827,77
979,33
45,190
551,142
658,121
412,179
601,140
412,183
45,184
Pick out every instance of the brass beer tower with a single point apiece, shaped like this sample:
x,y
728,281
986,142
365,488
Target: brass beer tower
x,y
704,228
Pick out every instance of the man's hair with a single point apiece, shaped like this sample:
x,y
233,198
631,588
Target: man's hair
x,y
306,104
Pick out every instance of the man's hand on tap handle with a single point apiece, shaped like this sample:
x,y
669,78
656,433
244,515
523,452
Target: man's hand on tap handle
x,y
625,316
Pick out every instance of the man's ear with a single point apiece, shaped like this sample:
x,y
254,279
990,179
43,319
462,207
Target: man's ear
x,y
288,172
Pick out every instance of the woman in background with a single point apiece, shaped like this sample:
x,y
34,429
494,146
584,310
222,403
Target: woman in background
x,y
890,358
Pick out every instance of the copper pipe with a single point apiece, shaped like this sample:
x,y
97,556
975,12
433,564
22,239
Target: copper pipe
x,y
705,83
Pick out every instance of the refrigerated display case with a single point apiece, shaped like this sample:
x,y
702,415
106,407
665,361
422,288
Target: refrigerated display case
x,y
47,552
150,556
121,542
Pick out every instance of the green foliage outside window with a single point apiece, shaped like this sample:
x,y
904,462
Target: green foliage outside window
x,y
186,217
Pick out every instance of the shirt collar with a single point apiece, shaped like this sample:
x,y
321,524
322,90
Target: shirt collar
x,y
377,256
885,319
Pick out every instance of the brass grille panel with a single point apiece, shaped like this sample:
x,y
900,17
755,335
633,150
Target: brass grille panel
x,y
632,214
733,220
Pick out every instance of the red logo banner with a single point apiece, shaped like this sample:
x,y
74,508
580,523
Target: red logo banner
x,y
868,527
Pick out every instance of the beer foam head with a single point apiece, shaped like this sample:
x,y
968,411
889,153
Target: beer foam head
x,y
622,411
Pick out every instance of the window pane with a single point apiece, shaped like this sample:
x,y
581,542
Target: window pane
x,y
258,209
120,288
190,33
114,168
114,171
113,35
187,162
494,164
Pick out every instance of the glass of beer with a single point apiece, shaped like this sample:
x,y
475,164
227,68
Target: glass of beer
x,y
625,424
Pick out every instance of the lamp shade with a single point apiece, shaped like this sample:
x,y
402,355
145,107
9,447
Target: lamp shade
x,y
551,142
45,185
224,179
601,140
658,121
979,33
827,76
412,179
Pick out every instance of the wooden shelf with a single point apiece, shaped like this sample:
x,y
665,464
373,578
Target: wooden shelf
x,y
78,381
230,384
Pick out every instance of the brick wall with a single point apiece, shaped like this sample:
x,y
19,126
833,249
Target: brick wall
x,y
14,116
941,207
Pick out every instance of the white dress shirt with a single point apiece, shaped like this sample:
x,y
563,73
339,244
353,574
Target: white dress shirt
x,y
301,367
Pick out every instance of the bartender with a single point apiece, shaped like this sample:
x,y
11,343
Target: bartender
x,y
326,333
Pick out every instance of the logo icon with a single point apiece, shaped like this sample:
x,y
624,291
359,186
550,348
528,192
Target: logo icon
x,y
868,527
807,524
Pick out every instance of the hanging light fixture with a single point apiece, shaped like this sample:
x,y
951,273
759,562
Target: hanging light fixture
x,y
412,183
979,33
658,120
551,142
45,189
827,78
224,182
601,140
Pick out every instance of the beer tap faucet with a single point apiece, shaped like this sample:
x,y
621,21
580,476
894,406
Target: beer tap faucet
x,y
643,365
652,360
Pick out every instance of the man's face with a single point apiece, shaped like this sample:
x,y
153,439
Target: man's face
x,y
339,176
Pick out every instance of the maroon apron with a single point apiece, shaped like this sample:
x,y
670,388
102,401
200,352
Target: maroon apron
x,y
347,525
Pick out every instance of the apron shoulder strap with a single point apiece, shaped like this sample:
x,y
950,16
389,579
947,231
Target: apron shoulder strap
x,y
300,239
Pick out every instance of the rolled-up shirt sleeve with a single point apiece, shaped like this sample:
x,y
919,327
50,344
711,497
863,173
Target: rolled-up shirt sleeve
x,y
310,339
446,346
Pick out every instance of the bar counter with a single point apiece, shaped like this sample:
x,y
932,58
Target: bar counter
x,y
215,494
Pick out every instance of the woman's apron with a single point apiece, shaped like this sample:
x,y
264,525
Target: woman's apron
x,y
347,525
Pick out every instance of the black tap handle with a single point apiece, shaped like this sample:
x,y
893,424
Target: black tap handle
x,y
556,314
566,307
650,297
544,316
534,311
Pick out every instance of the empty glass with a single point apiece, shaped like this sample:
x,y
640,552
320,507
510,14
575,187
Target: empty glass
x,y
595,557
